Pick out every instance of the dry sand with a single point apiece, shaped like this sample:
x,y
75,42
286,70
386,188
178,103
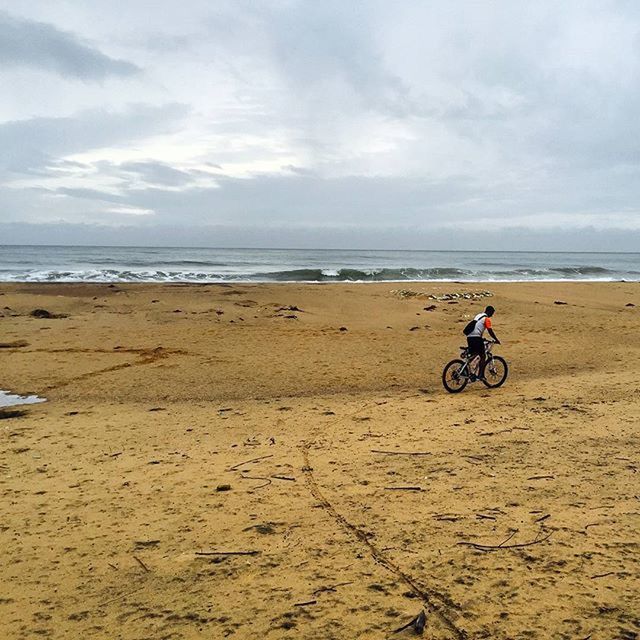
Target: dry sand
x,y
160,395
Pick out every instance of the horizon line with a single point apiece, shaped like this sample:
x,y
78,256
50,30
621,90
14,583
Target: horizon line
x,y
132,246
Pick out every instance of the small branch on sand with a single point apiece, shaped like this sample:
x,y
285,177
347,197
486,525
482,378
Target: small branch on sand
x,y
541,478
236,466
122,595
404,488
513,533
495,433
227,553
284,478
482,516
142,564
264,484
417,623
502,545
331,588
542,518
402,453
305,604
603,575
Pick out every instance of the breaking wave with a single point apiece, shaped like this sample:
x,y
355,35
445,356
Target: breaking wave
x,y
229,274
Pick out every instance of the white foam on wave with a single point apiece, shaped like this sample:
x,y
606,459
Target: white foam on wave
x,y
124,275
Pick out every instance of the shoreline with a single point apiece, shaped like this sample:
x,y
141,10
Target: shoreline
x,y
313,282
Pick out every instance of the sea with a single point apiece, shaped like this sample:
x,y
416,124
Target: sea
x,y
173,264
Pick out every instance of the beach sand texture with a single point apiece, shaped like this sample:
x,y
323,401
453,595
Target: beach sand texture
x,y
224,461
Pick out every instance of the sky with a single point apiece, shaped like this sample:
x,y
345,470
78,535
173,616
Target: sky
x,y
363,124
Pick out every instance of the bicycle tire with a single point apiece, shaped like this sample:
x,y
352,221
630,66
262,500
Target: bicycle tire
x,y
463,379
500,379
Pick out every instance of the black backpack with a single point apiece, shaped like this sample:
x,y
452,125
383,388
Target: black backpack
x,y
471,325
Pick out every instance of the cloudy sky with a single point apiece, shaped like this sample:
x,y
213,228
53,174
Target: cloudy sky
x,y
305,123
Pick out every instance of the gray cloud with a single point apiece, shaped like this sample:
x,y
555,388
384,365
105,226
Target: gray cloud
x,y
157,173
27,43
308,200
511,238
88,194
305,200
33,143
321,43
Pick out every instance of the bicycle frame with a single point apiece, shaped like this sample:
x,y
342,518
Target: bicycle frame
x,y
465,370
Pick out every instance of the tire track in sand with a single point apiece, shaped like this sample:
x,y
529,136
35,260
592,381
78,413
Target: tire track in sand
x,y
436,603
145,356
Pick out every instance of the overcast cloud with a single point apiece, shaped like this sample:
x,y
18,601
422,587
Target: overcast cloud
x,y
413,124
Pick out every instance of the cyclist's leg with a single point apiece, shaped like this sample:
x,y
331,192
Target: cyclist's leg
x,y
483,361
476,353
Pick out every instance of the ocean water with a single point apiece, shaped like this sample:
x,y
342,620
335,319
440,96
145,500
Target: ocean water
x,y
162,264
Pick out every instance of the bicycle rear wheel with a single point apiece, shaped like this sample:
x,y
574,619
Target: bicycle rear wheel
x,y
453,379
495,372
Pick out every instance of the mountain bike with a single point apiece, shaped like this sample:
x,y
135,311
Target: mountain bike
x,y
458,373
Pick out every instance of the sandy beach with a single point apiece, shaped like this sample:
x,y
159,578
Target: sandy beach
x,y
282,461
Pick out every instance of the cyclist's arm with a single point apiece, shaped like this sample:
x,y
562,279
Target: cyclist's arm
x,y
493,335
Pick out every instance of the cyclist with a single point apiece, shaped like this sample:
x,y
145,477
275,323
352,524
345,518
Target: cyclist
x,y
475,340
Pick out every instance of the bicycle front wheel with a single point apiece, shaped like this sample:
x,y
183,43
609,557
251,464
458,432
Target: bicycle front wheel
x,y
453,379
495,372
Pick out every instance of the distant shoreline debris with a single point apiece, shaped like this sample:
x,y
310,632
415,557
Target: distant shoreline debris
x,y
445,297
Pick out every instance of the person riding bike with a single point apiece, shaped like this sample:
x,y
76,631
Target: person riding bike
x,y
475,340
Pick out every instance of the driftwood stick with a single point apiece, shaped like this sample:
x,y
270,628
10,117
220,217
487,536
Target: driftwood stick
x,y
227,553
417,623
513,533
541,478
402,453
331,588
491,547
284,478
264,484
142,564
405,626
304,604
443,517
603,575
122,595
404,488
235,466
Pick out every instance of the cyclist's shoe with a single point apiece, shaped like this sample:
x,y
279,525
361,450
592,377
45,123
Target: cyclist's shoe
x,y
472,378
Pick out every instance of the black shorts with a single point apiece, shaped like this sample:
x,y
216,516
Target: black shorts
x,y
476,346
